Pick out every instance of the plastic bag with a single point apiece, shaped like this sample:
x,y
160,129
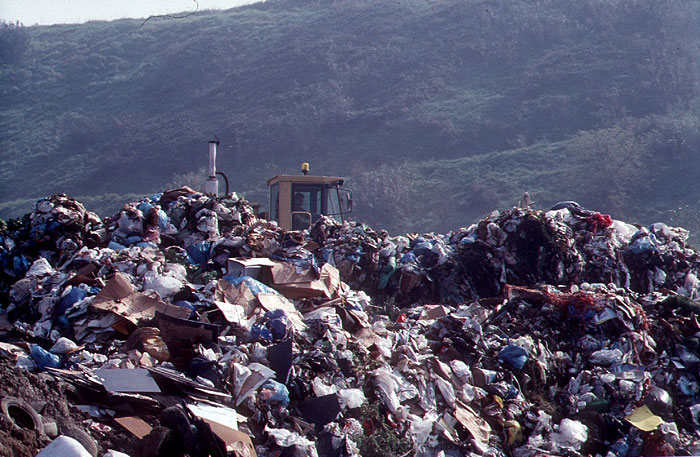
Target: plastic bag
x,y
274,392
571,434
514,356
44,358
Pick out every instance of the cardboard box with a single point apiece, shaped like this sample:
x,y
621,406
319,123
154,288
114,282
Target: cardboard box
x,y
248,267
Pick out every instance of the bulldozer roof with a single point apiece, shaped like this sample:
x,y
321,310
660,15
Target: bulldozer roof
x,y
306,179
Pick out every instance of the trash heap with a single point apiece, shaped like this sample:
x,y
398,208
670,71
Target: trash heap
x,y
184,325
567,245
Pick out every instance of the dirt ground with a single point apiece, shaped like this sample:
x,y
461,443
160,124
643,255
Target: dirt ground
x,y
50,398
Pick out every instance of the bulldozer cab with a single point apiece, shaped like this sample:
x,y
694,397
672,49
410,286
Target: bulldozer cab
x,y
297,201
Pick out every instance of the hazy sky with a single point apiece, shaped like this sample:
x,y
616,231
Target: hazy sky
x,y
45,12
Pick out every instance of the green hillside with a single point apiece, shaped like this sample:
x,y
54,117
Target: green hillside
x,y
438,112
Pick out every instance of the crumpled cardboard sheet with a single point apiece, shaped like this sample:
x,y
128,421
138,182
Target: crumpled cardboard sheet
x,y
119,297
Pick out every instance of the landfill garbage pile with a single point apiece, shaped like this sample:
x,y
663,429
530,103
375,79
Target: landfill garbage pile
x,y
567,245
184,325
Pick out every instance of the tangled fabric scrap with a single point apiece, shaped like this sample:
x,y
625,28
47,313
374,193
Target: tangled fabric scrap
x,y
185,325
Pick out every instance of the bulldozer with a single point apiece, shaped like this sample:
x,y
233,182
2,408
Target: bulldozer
x,y
296,201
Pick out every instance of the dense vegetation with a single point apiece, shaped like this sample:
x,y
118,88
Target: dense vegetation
x,y
438,111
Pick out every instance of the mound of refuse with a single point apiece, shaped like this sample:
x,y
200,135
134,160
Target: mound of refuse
x,y
185,325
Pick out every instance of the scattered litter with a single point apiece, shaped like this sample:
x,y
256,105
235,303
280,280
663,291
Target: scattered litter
x,y
184,320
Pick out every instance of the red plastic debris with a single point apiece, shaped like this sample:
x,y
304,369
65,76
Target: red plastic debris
x,y
599,221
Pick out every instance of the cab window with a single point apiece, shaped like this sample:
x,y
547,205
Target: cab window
x,y
307,199
275,202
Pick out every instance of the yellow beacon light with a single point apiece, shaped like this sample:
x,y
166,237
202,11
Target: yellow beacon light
x,y
305,168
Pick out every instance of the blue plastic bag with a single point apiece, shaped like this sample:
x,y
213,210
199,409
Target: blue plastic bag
x,y
145,208
20,265
260,332
272,328
188,305
513,355
163,220
356,255
113,245
198,253
408,257
275,392
74,295
132,239
277,323
44,358
254,285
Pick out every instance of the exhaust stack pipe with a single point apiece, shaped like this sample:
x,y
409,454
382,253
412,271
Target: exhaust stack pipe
x,y
212,185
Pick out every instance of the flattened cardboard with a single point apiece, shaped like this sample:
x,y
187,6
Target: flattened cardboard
x,y
137,426
644,419
478,427
128,380
331,278
301,290
366,337
232,313
434,312
120,298
84,275
225,291
186,384
293,284
258,375
288,273
290,280
247,299
270,302
139,307
240,296
119,287
78,279
185,329
235,440
223,421
181,335
219,414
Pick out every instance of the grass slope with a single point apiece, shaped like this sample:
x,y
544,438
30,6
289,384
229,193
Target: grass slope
x,y
438,112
